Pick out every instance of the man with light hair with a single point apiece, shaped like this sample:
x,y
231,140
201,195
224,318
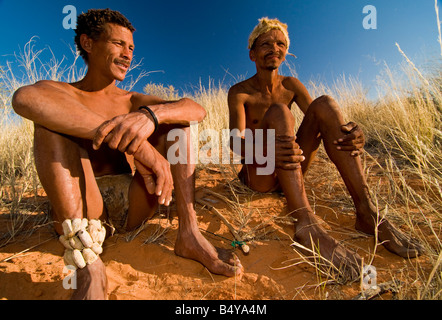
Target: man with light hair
x,y
90,133
264,101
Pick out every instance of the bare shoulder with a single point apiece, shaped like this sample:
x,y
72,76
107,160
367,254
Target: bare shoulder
x,y
242,87
140,99
52,84
301,96
292,84
240,91
47,87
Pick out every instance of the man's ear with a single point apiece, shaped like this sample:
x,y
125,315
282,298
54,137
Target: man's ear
x,y
86,43
252,55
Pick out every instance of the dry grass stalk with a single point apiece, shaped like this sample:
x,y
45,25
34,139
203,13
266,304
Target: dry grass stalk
x,y
244,247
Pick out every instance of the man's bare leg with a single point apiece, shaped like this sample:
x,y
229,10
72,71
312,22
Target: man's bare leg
x,y
67,177
308,231
323,121
190,243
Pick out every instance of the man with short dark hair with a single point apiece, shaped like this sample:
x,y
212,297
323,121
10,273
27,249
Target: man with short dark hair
x,y
264,102
85,132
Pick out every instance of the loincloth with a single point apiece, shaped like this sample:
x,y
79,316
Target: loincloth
x,y
114,190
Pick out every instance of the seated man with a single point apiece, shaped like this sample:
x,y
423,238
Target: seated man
x,y
264,102
84,130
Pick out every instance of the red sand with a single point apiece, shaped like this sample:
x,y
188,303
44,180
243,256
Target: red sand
x,y
152,271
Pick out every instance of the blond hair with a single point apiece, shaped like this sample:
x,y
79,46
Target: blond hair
x,y
265,24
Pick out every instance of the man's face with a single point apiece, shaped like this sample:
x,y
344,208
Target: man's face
x,y
113,52
269,50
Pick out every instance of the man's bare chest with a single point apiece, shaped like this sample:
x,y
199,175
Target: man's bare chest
x,y
258,104
107,106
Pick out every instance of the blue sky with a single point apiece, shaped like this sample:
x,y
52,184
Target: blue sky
x,y
193,41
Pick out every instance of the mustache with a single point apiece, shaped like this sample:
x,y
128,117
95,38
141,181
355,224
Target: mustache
x,y
123,62
276,54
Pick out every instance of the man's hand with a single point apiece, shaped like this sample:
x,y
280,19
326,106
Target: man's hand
x,y
155,170
288,155
354,139
125,132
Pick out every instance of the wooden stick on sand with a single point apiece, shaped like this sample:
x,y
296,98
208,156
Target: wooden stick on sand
x,y
244,247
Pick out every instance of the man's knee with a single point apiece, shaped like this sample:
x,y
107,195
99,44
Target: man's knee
x,y
51,147
277,110
44,136
278,113
324,107
324,99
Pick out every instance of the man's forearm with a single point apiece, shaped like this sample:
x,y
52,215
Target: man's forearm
x,y
181,112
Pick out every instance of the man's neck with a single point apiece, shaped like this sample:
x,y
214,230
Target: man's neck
x,y
267,80
93,82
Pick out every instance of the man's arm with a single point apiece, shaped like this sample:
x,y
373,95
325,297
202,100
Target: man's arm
x,y
182,111
302,98
127,132
48,104
237,117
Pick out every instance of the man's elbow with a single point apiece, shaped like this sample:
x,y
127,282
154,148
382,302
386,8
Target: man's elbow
x,y
202,113
18,101
198,110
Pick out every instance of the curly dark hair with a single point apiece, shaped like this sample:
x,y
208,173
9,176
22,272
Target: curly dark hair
x,y
93,22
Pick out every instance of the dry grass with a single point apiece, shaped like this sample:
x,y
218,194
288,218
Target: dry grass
x,y
403,128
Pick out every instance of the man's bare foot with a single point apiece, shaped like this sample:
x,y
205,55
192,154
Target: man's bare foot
x,y
310,234
91,282
192,245
392,238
